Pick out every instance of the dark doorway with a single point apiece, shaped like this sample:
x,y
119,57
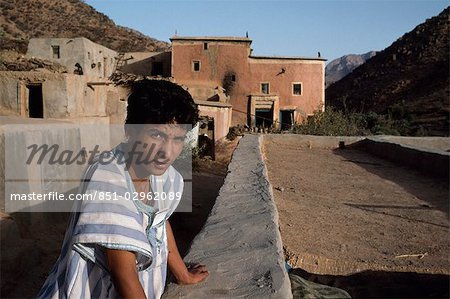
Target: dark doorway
x,y
157,68
263,118
35,101
286,119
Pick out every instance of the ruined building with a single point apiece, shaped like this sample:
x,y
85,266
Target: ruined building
x,y
82,93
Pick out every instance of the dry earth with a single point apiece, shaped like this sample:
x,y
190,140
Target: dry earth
x,y
345,211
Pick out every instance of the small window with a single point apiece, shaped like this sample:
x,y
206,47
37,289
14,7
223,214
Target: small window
x,y
55,51
233,78
265,88
89,55
297,89
196,65
205,46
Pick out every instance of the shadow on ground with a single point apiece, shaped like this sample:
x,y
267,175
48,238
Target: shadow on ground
x,y
380,284
396,174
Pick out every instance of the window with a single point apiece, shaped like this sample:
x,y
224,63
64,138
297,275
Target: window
x,y
233,78
196,65
89,55
297,89
265,88
205,46
55,52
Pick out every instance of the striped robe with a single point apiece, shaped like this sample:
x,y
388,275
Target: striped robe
x,y
81,271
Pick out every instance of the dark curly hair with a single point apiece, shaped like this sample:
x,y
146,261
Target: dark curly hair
x,y
160,102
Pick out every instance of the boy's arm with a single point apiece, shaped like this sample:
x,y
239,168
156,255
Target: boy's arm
x,y
177,266
122,266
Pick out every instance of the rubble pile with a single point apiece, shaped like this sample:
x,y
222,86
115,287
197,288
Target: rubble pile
x,y
11,61
126,79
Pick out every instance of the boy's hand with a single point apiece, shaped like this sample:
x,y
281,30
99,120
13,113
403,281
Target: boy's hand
x,y
191,274
195,274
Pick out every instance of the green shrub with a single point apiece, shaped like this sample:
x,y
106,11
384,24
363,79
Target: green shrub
x,y
331,122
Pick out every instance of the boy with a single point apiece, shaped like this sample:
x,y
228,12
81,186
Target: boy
x,y
120,243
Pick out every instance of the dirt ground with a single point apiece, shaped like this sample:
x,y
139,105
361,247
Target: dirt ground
x,y
27,260
347,217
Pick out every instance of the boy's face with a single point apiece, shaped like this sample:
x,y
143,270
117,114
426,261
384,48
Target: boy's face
x,y
160,145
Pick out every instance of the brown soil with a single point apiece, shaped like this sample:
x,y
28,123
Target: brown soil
x,y
345,211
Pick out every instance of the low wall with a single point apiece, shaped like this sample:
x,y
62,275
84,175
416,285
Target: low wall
x,y
240,242
427,154
413,152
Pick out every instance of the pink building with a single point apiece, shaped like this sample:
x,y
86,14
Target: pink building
x,y
262,91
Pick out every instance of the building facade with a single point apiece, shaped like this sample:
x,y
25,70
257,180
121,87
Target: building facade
x,y
263,91
79,55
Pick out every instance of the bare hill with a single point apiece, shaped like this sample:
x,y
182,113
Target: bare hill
x,y
342,66
21,20
408,80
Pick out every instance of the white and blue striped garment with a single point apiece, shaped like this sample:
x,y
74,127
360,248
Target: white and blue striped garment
x,y
81,271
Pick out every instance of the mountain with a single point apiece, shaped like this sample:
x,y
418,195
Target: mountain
x,y
341,67
21,20
409,80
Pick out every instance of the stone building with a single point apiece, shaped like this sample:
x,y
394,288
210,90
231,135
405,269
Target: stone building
x,y
76,54
263,91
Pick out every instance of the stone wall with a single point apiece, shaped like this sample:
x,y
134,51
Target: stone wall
x,y
240,242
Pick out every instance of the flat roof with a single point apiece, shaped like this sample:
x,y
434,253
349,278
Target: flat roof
x,y
212,104
288,57
212,38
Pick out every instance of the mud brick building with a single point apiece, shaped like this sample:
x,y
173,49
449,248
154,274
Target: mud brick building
x,y
262,90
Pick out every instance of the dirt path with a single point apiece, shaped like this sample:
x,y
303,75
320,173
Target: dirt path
x,y
344,211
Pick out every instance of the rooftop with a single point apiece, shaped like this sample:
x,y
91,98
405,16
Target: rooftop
x,y
288,58
212,38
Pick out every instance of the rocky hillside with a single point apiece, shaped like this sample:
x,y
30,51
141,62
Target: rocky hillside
x,y
21,20
409,80
341,67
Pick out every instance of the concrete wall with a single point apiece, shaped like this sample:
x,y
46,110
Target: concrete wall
x,y
233,57
95,59
240,242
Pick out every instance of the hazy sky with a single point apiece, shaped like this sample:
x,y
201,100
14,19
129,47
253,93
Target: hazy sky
x,y
291,28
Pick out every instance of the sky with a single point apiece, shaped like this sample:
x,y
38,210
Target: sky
x,y
280,28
